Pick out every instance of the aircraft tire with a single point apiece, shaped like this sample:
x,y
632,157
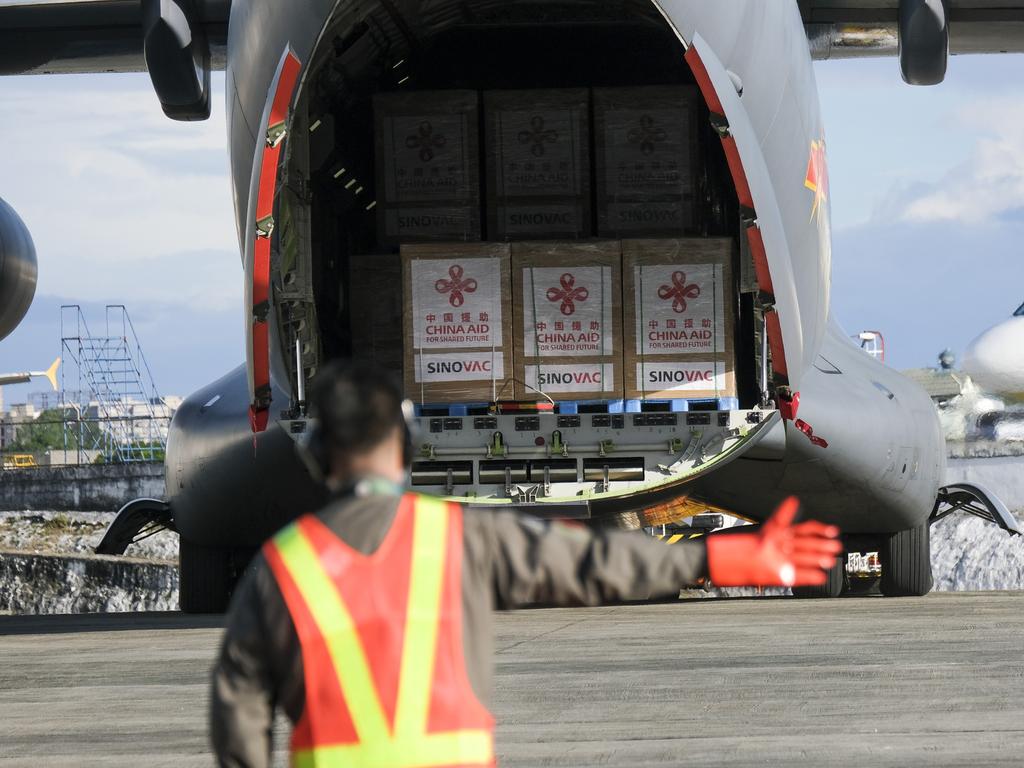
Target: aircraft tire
x,y
833,587
906,563
204,583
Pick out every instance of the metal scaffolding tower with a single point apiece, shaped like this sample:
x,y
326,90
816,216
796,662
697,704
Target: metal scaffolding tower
x,y
108,398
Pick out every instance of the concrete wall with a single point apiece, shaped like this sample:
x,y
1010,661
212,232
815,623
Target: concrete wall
x,y
1003,476
93,488
68,584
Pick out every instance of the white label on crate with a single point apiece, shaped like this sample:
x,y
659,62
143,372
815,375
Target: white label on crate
x,y
560,219
426,157
539,152
598,377
680,308
567,311
647,151
450,221
456,303
460,366
624,217
680,377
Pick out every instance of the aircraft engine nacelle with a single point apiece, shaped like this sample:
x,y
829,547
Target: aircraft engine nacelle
x,y
924,41
18,269
177,55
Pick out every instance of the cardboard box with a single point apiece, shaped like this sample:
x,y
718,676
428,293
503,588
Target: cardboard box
x,y
568,324
645,149
680,317
375,309
538,164
458,322
428,167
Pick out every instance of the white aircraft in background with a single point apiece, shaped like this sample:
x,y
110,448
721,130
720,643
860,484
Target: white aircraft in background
x,y
995,360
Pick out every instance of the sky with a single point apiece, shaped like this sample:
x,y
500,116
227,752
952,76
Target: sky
x,y
129,207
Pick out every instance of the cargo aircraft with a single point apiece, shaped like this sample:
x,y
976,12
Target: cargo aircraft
x,y
858,443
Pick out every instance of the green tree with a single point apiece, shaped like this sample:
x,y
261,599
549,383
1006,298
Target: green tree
x,y
47,433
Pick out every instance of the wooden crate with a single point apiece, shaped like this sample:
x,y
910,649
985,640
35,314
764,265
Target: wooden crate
x,y
428,166
645,142
680,318
538,164
458,322
568,320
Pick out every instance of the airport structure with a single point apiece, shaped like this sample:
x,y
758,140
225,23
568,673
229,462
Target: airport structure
x,y
105,406
123,399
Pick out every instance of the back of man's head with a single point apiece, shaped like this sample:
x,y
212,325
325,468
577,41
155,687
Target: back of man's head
x,y
358,406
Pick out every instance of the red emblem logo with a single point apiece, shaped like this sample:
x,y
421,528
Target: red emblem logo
x,y
679,292
426,141
456,286
568,294
817,176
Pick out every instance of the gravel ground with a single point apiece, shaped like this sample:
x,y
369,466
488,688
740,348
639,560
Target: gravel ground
x,y
74,533
971,555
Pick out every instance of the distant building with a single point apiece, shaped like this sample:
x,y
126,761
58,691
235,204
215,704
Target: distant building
x,y
138,422
942,385
59,458
13,420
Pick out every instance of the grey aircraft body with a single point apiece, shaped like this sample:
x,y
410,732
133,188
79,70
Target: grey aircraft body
x,y
857,442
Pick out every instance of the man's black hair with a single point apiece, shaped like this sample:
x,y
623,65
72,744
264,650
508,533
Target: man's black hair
x,y
358,405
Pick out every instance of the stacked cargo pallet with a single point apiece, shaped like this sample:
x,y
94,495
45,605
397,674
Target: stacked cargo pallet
x,y
641,319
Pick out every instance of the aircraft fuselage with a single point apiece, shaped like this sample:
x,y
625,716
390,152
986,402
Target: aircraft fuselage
x,y
860,446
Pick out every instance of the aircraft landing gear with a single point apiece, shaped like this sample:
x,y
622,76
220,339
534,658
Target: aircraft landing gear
x,y
205,578
834,586
906,563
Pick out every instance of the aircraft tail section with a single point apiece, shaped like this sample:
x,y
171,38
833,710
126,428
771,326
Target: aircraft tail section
x,y
51,373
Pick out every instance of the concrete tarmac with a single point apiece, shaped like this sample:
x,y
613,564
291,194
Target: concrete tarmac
x,y
866,682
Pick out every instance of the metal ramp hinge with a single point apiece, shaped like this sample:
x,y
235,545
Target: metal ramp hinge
x,y
137,520
975,500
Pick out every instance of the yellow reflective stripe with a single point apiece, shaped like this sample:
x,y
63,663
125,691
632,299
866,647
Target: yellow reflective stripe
x,y
338,630
471,747
410,746
422,618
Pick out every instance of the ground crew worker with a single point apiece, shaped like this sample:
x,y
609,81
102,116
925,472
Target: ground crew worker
x,y
369,623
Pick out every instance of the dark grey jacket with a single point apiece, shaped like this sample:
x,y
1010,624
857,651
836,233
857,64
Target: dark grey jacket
x,y
510,560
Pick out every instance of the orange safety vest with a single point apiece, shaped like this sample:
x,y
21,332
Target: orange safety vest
x,y
381,638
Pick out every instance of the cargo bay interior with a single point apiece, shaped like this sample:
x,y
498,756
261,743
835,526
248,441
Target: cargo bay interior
x,y
432,81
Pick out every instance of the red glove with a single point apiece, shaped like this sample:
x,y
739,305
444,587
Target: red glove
x,y
780,554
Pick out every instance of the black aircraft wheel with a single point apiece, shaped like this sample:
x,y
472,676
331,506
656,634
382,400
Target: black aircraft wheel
x,y
204,583
907,563
833,586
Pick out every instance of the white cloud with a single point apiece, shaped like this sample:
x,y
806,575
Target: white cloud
x,y
126,207
990,184
120,199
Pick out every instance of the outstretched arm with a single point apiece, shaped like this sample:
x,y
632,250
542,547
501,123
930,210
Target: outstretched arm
x,y
555,563
539,562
